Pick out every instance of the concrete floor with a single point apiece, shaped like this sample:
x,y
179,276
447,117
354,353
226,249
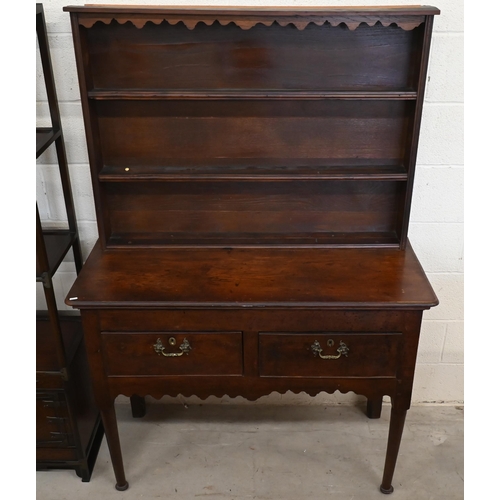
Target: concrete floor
x,y
228,452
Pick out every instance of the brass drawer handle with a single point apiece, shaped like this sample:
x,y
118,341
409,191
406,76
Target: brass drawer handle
x,y
317,350
160,349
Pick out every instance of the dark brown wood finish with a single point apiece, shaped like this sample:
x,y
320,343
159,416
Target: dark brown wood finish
x,y
293,354
138,406
340,278
374,408
259,58
252,170
210,353
68,430
325,92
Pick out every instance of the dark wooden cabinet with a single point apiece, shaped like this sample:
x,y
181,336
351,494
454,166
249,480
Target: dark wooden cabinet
x,y
252,172
68,425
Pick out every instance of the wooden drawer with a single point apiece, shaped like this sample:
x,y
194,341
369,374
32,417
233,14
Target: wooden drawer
x,y
306,354
53,428
197,353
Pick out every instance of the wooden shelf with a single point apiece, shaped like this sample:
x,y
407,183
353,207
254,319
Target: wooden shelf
x,y
253,169
288,136
261,94
57,244
45,136
317,239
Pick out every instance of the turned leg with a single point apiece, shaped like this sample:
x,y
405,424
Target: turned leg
x,y
374,408
108,416
395,432
138,405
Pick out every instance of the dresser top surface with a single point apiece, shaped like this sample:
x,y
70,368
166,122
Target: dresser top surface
x,y
258,277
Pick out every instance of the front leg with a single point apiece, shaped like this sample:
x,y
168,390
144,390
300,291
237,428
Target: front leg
x,y
108,416
105,403
395,432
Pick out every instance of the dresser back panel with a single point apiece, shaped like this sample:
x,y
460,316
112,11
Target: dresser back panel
x,y
136,133
228,211
273,57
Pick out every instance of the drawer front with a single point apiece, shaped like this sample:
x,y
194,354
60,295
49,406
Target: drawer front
x,y
173,353
53,428
328,354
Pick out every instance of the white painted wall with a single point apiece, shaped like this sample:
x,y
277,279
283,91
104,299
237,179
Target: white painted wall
x,y
436,228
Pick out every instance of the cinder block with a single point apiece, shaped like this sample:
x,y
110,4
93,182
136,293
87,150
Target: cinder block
x,y
62,55
432,335
453,351
451,17
41,92
439,246
53,192
438,194
43,119
73,132
83,195
50,194
445,77
88,237
58,21
442,135
41,196
449,288
438,383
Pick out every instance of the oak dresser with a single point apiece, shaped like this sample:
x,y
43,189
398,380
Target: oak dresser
x,y
252,172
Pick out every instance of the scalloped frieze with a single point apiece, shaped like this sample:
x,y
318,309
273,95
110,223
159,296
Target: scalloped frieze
x,y
406,23
370,393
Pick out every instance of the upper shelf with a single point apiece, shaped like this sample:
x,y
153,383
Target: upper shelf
x,y
247,94
218,61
